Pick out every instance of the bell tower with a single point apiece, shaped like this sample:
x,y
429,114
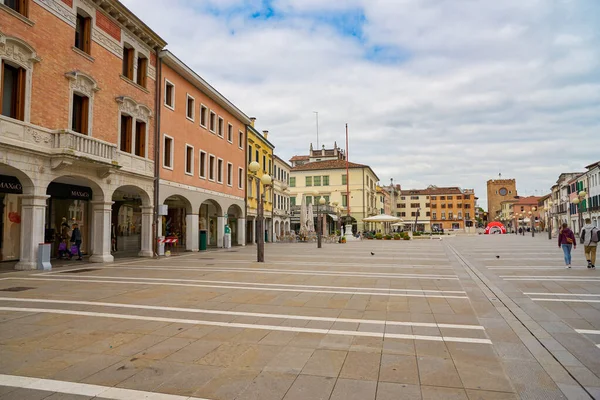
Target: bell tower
x,y
499,190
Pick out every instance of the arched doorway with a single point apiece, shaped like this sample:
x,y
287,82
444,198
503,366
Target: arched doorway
x,y
211,220
16,190
78,202
131,222
175,223
235,218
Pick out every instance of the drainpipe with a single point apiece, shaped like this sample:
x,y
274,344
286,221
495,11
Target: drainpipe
x,y
157,106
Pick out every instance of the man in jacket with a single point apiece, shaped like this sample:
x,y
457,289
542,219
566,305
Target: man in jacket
x,y
589,234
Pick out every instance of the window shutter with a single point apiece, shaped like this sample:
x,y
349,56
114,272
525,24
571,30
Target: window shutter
x,y
130,57
2,85
87,33
128,135
24,7
20,94
141,139
85,109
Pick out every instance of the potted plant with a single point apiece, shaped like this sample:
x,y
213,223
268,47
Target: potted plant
x,y
388,237
378,236
397,236
343,239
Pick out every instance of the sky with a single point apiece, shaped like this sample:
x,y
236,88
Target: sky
x,y
443,92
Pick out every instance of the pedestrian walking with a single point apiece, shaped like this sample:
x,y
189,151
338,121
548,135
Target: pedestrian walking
x,y
589,240
76,240
566,240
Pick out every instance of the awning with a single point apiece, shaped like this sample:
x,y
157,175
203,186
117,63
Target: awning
x,y
333,217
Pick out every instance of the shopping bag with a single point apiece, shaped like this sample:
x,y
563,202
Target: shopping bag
x,y
74,249
62,246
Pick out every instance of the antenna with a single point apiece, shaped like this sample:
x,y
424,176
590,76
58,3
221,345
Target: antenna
x,y
317,114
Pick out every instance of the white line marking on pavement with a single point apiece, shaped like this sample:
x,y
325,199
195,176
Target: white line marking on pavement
x,y
525,267
84,389
549,276
245,314
582,279
588,331
250,326
323,263
265,271
241,287
567,300
562,294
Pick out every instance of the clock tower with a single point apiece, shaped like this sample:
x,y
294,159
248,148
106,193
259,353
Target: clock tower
x,y
499,190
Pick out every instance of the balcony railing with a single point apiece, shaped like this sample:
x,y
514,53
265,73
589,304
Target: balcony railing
x,y
68,142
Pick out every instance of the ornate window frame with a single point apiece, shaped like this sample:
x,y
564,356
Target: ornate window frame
x,y
82,84
138,112
20,53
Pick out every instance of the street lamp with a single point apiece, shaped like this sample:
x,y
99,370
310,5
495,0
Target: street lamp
x,y
321,202
522,218
416,219
266,180
577,201
549,216
531,217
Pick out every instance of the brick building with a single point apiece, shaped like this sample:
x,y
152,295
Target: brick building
x,y
499,190
452,208
77,127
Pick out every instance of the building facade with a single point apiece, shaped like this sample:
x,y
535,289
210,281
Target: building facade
x,y
281,198
321,154
330,180
384,205
77,127
526,213
259,149
499,190
577,210
593,185
203,160
452,208
414,207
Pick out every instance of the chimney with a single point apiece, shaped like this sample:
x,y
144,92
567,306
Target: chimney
x,y
252,121
266,134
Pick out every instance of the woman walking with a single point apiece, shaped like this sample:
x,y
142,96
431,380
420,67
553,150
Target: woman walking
x,y
566,240
76,240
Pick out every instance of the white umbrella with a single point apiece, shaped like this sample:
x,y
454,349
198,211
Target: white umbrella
x,y
382,218
303,221
310,219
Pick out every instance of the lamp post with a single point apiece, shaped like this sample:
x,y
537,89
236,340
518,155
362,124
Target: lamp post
x,y
532,218
577,201
321,202
522,219
253,167
416,219
549,216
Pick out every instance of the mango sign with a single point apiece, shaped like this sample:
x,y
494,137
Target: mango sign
x,y
495,228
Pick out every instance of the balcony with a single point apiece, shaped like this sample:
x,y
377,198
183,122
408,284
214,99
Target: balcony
x,y
66,148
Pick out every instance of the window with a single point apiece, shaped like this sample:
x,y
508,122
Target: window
x,y
317,181
142,70
169,94
293,201
249,154
212,122
13,91
308,200
126,133
270,168
427,214
264,164
250,187
442,197
344,200
220,131
415,205
292,181
308,181
220,170
450,215
20,6
449,197
83,32
168,152
241,139
326,180
140,139
128,56
203,111
414,197
413,214
403,214
230,133
256,154
458,197
80,114
190,107
433,197
189,159
459,215
202,166
402,205
443,214
229,174
344,179
434,215
240,178
211,167
402,198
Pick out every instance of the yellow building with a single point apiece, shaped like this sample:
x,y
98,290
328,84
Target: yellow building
x,y
261,151
329,180
414,207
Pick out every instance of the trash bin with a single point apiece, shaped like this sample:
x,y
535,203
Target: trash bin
x,y
227,238
203,240
161,246
44,251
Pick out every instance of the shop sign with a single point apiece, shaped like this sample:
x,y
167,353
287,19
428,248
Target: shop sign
x,y
10,184
63,191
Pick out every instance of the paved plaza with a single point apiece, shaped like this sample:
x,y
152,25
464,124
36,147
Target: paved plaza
x,y
467,317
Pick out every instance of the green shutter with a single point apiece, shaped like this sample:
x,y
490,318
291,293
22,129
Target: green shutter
x,y
344,179
292,182
308,181
326,180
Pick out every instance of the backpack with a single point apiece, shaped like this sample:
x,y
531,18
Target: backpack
x,y
594,235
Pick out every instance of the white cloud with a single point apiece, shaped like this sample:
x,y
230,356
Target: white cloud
x,y
469,88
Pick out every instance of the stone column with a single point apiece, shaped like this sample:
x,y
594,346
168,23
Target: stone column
x,y
33,213
220,230
146,236
101,218
192,232
241,231
254,230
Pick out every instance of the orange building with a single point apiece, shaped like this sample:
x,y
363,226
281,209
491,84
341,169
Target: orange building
x,y
77,127
525,212
203,158
452,208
